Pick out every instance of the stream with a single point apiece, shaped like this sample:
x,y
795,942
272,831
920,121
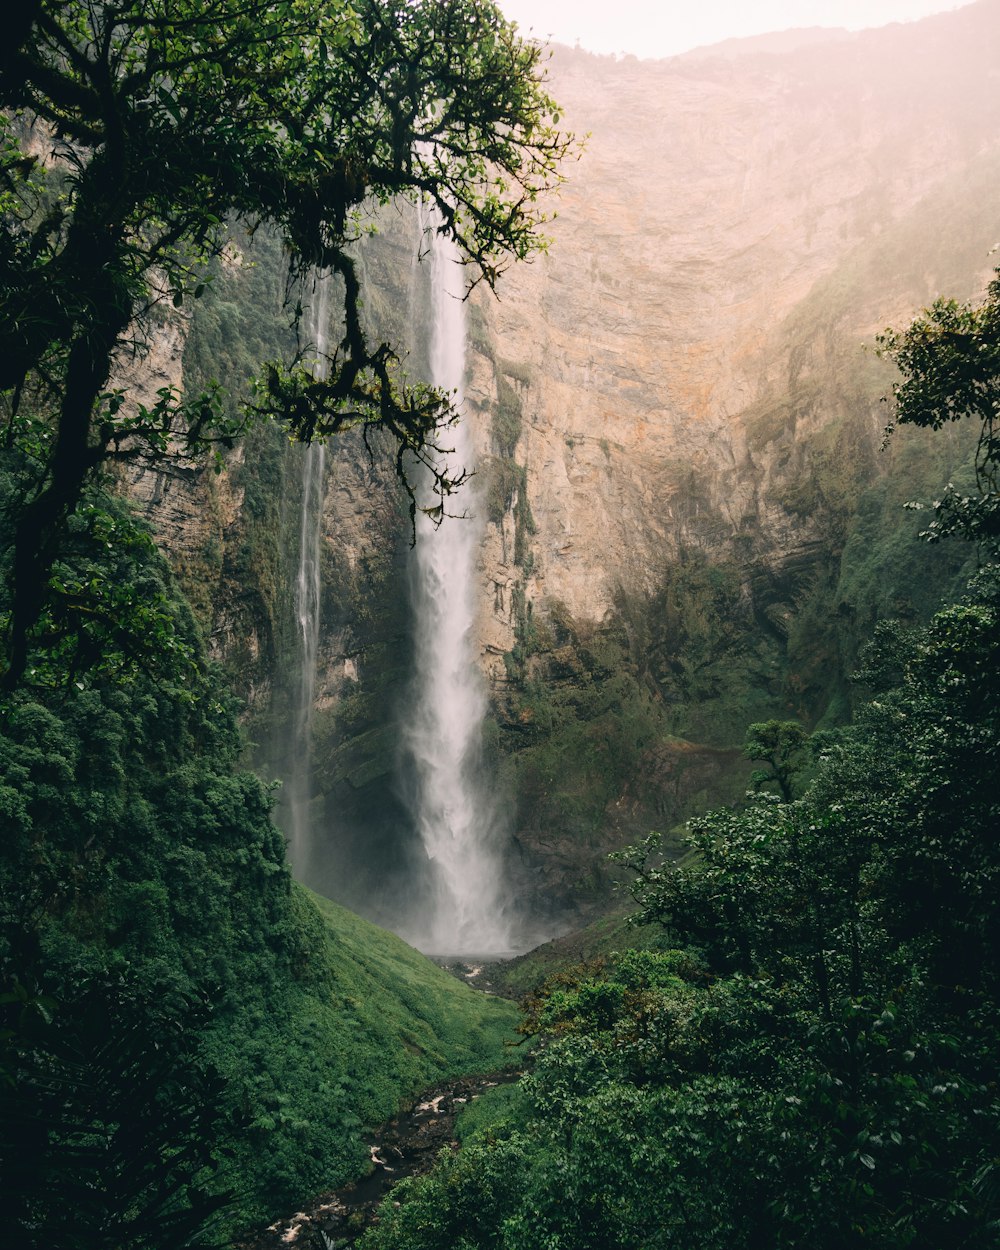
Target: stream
x,y
406,1145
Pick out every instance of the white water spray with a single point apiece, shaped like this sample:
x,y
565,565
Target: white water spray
x,y
456,820
298,789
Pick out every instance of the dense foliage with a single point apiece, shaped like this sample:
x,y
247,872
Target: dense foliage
x,y
950,359
813,1065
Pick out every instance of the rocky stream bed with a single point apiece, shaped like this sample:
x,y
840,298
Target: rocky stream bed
x,y
406,1145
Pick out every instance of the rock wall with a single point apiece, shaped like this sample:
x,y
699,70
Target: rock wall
x,y
694,521
691,519
737,230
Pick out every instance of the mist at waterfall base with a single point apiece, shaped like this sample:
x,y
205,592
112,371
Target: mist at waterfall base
x,y
428,853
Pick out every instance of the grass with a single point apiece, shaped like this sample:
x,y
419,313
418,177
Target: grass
x,y
410,1017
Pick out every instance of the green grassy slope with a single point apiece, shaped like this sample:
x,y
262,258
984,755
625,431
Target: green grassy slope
x,y
594,944
434,1025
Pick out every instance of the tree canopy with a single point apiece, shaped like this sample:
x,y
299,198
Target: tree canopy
x,y
949,358
137,133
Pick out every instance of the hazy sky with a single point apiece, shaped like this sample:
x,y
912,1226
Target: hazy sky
x,y
665,27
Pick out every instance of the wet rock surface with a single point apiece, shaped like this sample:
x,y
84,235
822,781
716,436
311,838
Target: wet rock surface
x,y
406,1145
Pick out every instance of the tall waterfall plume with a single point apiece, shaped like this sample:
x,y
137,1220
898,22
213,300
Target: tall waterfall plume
x,y
455,815
297,794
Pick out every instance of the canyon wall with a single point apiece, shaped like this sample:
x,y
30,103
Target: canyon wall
x,y
701,517
736,232
692,521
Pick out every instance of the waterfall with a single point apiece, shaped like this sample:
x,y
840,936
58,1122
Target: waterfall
x,y
297,794
455,817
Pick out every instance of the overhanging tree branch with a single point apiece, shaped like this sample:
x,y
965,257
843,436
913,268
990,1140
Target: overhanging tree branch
x,y
167,125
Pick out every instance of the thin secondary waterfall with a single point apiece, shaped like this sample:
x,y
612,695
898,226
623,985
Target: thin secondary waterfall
x,y
298,788
456,819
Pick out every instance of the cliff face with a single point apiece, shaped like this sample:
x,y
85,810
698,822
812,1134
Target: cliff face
x,y
691,522
735,232
696,504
